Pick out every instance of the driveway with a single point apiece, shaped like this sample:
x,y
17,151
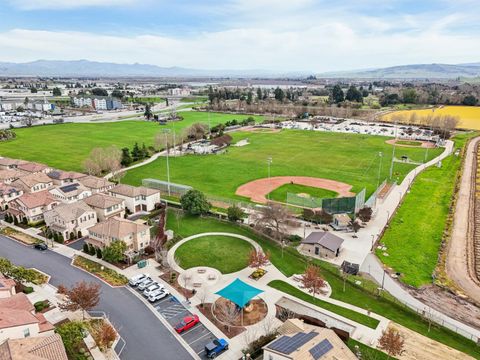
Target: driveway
x,y
145,335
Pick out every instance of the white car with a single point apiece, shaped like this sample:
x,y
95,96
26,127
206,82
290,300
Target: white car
x,y
145,283
137,279
150,289
158,295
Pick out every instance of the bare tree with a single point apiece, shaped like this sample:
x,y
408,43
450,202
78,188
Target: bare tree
x,y
392,342
258,259
195,131
82,296
202,296
273,216
28,120
103,160
228,313
286,314
269,327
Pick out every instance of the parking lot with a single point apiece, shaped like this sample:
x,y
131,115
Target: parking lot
x,y
172,310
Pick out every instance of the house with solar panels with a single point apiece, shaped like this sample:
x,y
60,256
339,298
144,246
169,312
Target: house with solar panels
x,y
70,193
300,341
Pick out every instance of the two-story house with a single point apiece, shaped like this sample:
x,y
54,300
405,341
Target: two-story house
x,y
32,206
7,194
7,163
96,184
68,219
135,235
61,178
106,206
32,183
70,193
136,198
10,175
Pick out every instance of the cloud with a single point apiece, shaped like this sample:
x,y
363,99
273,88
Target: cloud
x,y
67,4
323,47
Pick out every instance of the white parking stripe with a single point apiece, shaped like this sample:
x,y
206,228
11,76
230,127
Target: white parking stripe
x,y
186,332
201,337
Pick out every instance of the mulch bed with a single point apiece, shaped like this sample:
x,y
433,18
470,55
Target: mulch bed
x,y
167,278
229,331
258,312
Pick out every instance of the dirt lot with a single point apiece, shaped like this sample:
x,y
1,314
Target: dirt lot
x,y
420,347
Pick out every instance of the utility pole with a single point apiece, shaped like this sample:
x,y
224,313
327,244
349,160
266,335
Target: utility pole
x,y
165,132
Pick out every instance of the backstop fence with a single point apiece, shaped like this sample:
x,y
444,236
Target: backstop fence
x,y
341,205
176,190
373,198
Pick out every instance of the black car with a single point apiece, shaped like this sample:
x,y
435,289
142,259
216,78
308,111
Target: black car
x,y
41,246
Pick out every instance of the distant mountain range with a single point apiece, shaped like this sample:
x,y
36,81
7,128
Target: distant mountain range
x,y
418,71
86,68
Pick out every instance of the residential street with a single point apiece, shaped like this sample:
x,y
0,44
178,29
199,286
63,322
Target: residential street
x,y
146,337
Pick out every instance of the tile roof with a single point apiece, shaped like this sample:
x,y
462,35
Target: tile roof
x,y
41,198
94,182
6,283
68,212
7,174
102,201
117,228
34,348
4,161
7,190
32,167
70,190
323,238
132,191
32,179
64,175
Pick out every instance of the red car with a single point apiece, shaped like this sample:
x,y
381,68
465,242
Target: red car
x,y
187,323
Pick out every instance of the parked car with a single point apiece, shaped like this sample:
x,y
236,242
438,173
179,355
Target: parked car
x,y
187,323
145,283
215,347
158,295
151,288
41,246
137,279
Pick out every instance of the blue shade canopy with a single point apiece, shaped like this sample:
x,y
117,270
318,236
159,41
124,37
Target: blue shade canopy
x,y
239,292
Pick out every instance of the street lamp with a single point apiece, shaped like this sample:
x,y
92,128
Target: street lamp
x,y
269,163
165,132
373,242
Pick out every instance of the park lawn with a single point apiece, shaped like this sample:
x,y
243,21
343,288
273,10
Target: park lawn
x,y
414,236
280,193
290,262
66,146
347,313
224,253
349,158
368,353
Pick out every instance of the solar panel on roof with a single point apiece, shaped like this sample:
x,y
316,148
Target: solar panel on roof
x,y
321,349
69,188
288,344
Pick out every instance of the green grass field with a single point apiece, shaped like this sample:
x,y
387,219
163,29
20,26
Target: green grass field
x,y
414,236
364,296
224,253
280,193
66,146
350,158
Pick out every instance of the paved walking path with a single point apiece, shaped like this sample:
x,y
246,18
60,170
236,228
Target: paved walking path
x,y
459,262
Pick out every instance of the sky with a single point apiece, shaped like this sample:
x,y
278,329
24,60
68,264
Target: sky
x,y
278,35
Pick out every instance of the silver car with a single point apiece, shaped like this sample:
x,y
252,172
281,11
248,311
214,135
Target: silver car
x,y
152,288
158,295
145,283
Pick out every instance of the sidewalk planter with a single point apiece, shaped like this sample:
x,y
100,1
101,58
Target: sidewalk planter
x,y
257,274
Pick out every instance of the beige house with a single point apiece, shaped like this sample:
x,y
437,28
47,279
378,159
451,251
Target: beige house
x,y
96,184
64,177
70,193
7,163
106,206
18,319
34,168
37,348
135,235
136,198
7,287
73,218
321,244
300,341
10,175
32,206
7,194
32,183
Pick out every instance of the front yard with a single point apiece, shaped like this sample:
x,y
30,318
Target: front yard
x,y
108,275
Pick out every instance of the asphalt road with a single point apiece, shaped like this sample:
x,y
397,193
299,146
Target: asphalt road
x,y
146,337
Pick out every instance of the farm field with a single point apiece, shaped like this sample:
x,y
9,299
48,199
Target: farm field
x,y
65,146
224,253
280,193
469,115
350,158
414,236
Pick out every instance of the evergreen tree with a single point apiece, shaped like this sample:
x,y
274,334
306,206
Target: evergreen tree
x,y
136,153
337,94
126,158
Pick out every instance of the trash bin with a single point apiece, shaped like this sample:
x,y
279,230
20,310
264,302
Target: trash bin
x,y
142,264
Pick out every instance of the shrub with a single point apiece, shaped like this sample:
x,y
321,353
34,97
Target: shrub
x,y
85,248
55,237
60,239
91,250
41,305
79,235
72,236
234,213
28,289
25,221
194,202
15,220
99,253
72,334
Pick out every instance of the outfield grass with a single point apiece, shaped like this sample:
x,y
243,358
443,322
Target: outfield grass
x,y
414,236
349,158
66,146
347,313
364,296
280,193
224,253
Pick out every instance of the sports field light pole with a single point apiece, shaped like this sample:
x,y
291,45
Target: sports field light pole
x,y
393,151
380,155
269,163
165,132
